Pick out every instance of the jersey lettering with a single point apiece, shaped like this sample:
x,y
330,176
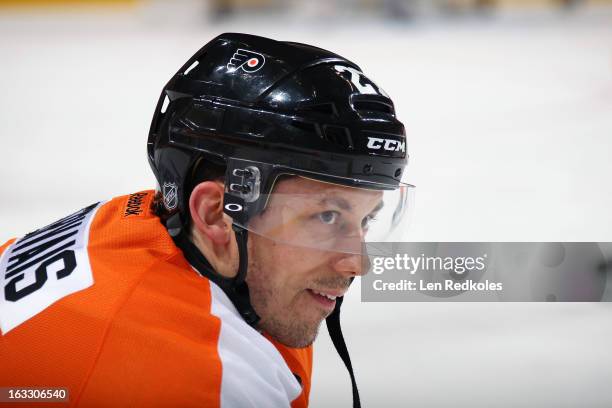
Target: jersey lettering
x,y
68,259
45,266
135,205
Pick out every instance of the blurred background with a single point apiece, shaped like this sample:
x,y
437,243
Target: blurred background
x,y
508,110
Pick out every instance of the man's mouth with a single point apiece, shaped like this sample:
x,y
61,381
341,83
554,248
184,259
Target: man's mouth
x,y
330,297
325,298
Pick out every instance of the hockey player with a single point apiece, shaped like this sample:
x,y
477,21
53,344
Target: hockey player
x,y
158,298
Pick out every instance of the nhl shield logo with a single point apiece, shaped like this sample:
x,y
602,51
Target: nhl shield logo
x,y
170,193
248,61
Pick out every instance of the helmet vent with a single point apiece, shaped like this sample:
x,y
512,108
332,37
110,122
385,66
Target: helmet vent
x,y
324,108
339,136
373,106
192,66
165,104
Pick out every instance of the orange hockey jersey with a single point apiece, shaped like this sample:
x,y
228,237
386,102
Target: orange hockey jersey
x,y
104,304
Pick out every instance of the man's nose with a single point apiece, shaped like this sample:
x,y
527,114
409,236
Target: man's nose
x,y
351,265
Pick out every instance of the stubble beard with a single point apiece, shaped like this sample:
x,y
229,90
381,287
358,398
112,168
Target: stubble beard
x,y
281,323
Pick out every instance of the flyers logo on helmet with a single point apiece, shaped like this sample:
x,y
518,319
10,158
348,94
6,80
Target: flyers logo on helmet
x,y
248,61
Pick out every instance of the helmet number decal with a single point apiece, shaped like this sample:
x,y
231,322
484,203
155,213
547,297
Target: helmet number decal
x,y
248,61
363,84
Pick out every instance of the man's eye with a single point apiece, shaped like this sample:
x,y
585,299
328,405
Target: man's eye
x,y
329,217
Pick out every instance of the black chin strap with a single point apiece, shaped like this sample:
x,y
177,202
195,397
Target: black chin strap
x,y
335,332
235,288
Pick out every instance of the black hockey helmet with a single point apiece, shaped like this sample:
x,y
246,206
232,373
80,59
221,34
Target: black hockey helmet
x,y
265,108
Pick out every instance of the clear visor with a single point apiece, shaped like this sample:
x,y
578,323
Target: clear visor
x,y
309,213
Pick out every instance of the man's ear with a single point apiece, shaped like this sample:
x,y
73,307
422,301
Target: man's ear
x,y
206,209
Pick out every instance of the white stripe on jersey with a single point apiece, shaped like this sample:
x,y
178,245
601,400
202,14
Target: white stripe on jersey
x,y
254,374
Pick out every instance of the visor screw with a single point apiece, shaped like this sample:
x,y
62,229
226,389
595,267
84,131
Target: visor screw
x,y
242,173
398,172
241,188
367,169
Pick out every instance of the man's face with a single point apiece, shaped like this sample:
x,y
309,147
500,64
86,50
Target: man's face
x,y
295,266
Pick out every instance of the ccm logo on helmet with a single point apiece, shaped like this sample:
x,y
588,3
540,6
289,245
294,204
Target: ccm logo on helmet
x,y
249,61
375,143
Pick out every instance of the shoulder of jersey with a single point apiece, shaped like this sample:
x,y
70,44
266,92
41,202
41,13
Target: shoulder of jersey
x,y
106,241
